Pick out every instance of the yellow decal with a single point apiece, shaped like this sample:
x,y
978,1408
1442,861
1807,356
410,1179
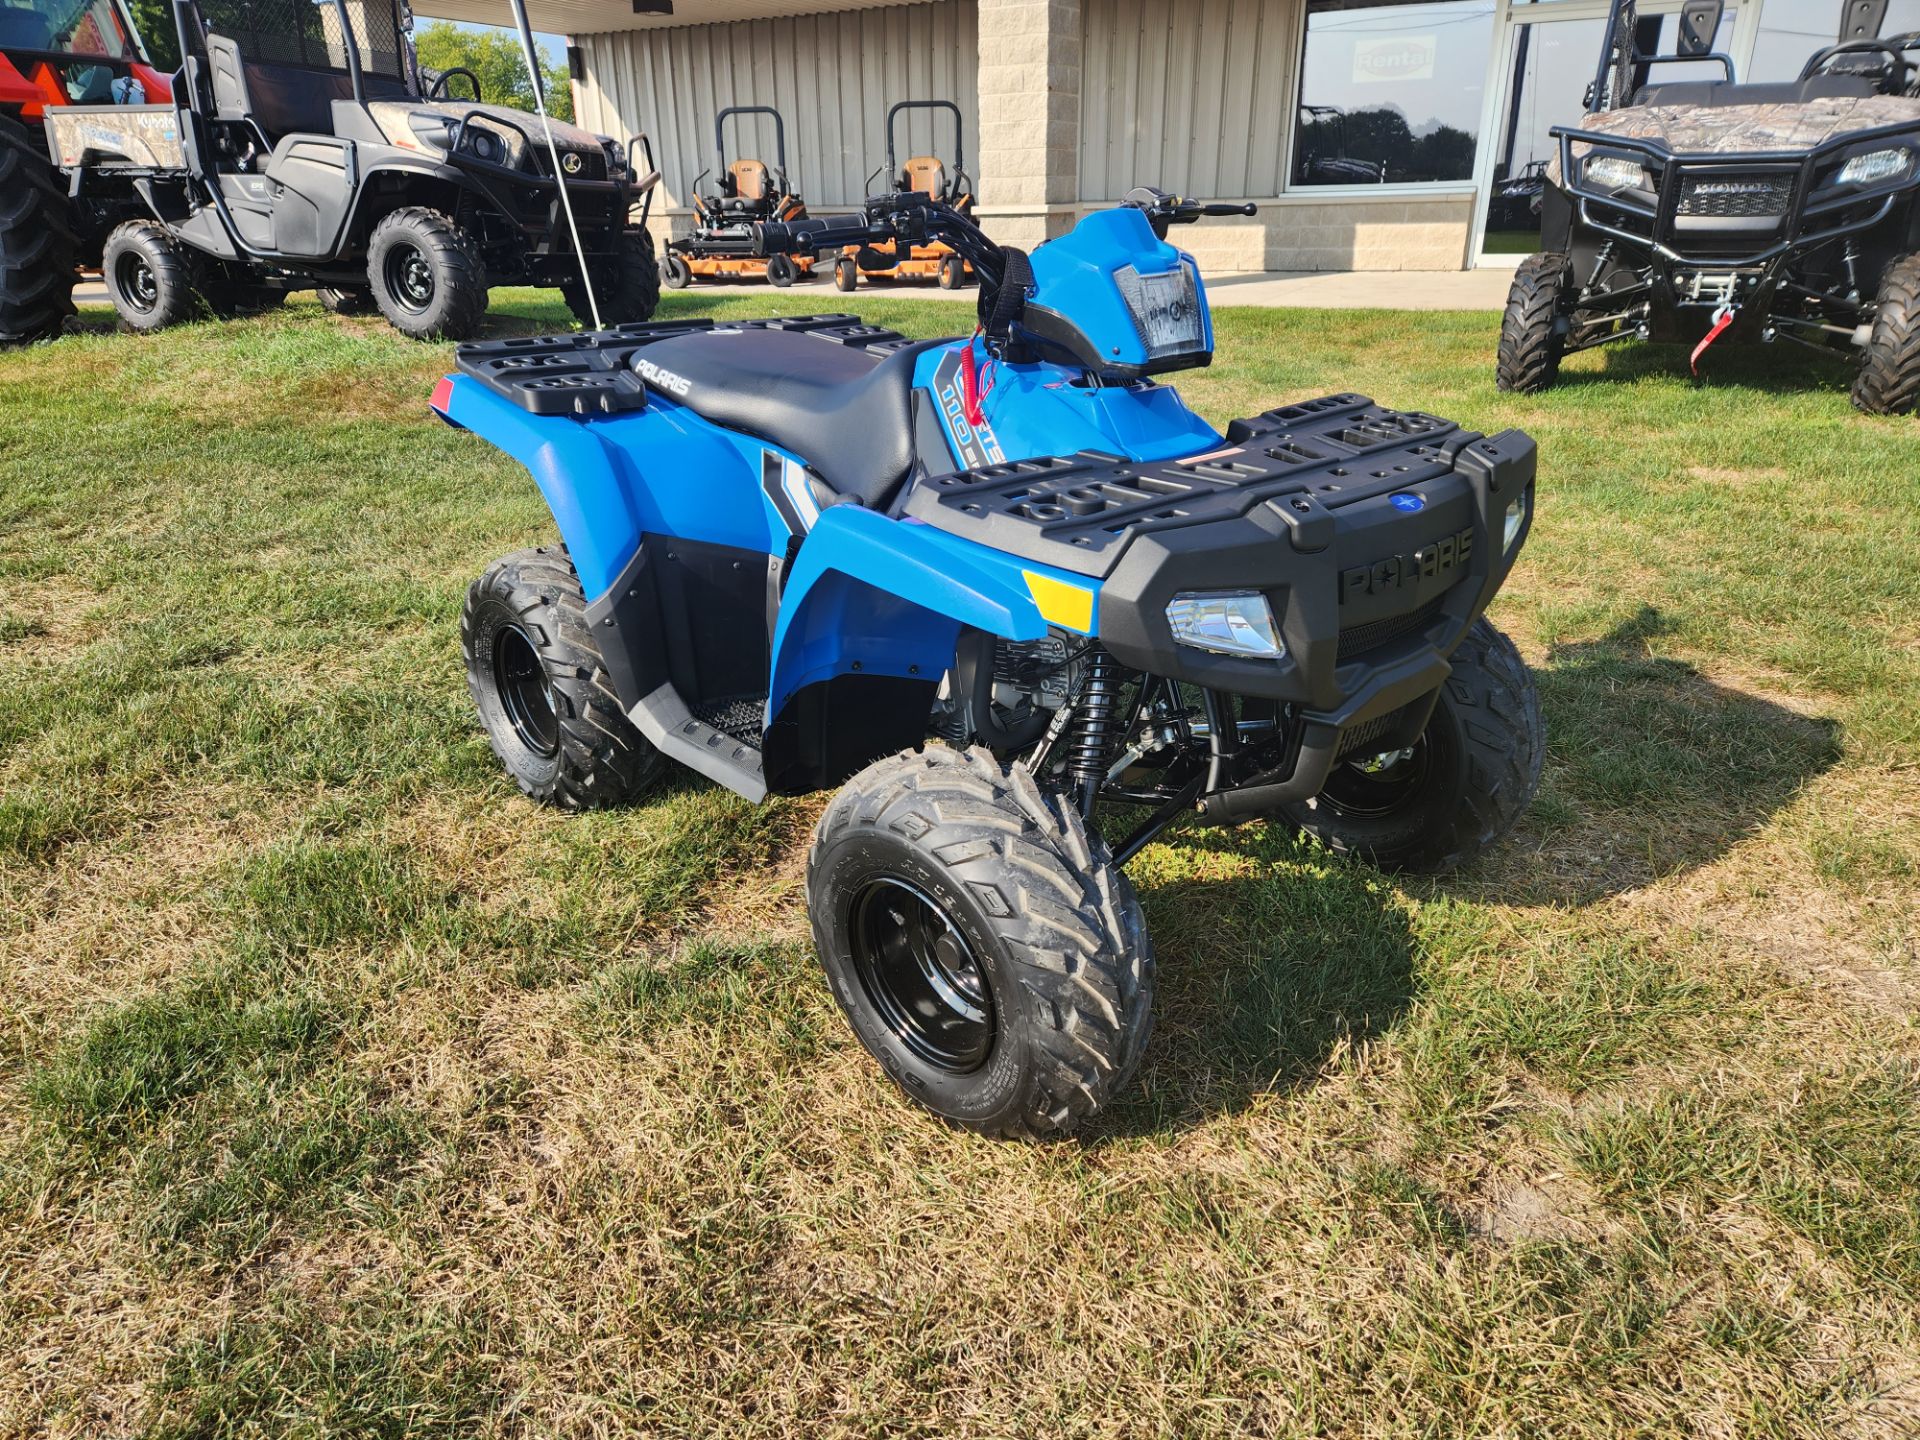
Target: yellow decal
x,y
1060,603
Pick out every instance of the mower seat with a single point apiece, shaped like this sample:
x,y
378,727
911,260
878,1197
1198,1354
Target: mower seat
x,y
847,413
926,174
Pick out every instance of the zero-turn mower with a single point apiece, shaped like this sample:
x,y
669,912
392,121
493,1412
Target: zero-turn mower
x,y
750,193
932,177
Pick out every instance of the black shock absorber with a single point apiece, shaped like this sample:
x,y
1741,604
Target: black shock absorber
x,y
1091,742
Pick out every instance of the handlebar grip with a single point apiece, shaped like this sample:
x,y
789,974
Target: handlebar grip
x,y
1247,209
790,237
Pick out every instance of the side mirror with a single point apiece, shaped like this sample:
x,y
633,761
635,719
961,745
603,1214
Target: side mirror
x,y
1699,23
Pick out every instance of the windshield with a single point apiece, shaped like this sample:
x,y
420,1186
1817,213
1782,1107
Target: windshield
x,y
65,27
307,32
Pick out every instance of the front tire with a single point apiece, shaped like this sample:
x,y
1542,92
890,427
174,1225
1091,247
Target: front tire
x,y
985,949
149,277
846,275
675,273
1889,379
1532,339
1462,786
37,240
953,272
628,292
782,271
427,275
542,688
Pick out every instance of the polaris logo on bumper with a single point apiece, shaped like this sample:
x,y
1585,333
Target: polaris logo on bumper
x,y
1396,572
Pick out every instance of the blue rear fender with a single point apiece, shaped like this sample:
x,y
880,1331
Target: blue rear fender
x,y
661,470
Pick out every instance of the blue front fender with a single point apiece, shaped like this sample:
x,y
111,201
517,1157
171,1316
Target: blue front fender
x,y
888,597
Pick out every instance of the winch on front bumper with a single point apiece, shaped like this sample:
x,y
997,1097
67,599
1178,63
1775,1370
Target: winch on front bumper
x,y
1376,536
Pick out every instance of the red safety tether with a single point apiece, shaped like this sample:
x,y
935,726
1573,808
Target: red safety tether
x,y
970,394
1722,318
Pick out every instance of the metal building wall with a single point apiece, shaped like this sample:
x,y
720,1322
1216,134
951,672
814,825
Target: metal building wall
x,y
1189,95
831,76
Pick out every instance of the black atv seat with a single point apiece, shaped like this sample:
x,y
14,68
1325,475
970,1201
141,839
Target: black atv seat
x,y
847,413
1716,94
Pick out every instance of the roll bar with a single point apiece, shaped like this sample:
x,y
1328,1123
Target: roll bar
x,y
959,131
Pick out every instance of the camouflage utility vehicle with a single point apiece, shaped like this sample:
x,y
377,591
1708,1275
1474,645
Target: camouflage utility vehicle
x,y
1706,211
305,149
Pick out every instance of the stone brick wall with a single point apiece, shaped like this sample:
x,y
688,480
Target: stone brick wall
x,y
1029,80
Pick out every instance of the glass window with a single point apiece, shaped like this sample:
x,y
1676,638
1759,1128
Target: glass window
x,y
1792,31
1391,94
68,27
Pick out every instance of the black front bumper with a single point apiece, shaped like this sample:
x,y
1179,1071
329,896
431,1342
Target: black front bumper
x,y
1376,536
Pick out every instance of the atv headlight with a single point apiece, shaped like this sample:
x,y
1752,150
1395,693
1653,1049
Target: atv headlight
x,y
1875,167
1165,310
1227,622
1516,519
1616,172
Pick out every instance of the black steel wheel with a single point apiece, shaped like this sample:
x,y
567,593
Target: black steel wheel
x,y
149,277
427,275
542,688
984,947
781,270
920,974
1459,788
526,691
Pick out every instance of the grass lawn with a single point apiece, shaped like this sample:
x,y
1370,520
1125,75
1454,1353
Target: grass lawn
x,y
343,1092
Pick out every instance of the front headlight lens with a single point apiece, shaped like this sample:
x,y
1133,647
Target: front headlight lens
x,y
1876,166
1228,622
1516,517
1165,310
1616,172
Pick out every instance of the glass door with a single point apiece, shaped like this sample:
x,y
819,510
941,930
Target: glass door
x,y
1550,60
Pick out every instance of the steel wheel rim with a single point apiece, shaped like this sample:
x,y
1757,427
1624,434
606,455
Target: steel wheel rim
x,y
921,976
137,282
526,694
409,278
1375,787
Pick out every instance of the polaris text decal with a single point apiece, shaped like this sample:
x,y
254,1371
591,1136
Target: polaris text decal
x,y
677,385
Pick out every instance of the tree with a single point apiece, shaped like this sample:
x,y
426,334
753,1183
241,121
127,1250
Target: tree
x,y
154,20
495,56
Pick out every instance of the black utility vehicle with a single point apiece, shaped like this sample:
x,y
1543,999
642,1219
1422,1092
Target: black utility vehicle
x,y
1706,211
303,150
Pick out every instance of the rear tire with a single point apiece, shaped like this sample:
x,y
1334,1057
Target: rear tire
x,y
1889,379
543,691
675,273
984,947
37,240
1532,342
426,275
1463,785
628,292
846,275
149,277
349,300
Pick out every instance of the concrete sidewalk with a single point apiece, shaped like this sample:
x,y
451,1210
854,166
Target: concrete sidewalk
x,y
1355,290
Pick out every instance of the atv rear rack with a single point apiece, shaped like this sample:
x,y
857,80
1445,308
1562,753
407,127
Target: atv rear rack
x,y
588,374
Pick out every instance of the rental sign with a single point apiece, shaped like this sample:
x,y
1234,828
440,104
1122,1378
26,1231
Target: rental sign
x,y
1394,58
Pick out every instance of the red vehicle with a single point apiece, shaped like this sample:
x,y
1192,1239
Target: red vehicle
x,y
55,53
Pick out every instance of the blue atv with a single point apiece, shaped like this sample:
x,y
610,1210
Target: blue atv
x,y
1002,591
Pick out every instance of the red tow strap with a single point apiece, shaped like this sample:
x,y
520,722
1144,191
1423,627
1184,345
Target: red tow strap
x,y
1720,323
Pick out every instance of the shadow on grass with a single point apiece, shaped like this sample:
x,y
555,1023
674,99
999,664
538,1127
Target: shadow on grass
x,y
1782,368
1652,770
1275,960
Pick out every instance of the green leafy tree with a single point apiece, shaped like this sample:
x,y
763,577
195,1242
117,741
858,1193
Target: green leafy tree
x,y
495,56
154,20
